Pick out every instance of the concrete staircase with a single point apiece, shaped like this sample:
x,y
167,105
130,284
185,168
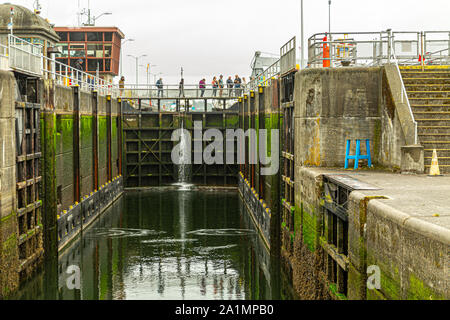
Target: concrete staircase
x,y
429,96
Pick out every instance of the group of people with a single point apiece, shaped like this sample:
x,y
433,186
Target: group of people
x,y
219,84
235,86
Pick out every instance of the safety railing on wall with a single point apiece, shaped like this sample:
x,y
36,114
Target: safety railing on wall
x,y
288,57
264,78
287,63
25,57
378,48
65,75
4,61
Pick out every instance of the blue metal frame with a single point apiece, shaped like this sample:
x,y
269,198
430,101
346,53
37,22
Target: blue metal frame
x,y
358,155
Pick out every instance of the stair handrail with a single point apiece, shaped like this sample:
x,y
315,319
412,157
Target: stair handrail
x,y
405,96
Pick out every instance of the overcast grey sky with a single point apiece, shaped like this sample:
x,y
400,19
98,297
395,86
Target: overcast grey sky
x,y
211,37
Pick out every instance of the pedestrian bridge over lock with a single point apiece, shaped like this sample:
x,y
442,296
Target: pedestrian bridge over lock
x,y
170,98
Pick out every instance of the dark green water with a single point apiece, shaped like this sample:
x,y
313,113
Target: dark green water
x,y
167,244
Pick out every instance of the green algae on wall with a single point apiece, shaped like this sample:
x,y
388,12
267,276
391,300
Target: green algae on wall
x,y
418,290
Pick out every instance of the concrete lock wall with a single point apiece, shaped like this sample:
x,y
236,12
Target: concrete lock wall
x,y
9,256
411,253
331,106
64,107
72,122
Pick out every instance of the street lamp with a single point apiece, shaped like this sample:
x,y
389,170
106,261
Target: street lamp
x,y
137,65
121,55
148,67
155,75
329,19
103,14
302,36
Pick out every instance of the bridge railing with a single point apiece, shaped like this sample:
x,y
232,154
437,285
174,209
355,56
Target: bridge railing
x,y
4,61
288,60
65,75
378,48
23,56
175,92
265,78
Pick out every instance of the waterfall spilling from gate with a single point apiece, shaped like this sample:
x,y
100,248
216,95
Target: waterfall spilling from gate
x,y
184,166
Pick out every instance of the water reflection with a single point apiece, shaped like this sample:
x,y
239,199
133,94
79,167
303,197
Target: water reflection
x,y
168,244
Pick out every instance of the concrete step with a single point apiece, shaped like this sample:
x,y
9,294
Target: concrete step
x,y
431,144
430,107
429,94
434,75
429,87
427,122
434,130
428,100
409,81
435,137
429,115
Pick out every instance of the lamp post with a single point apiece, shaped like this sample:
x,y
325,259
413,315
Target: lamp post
x,y
329,19
155,75
137,65
302,42
103,14
121,55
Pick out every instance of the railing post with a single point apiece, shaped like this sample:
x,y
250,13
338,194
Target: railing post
x,y
422,58
389,34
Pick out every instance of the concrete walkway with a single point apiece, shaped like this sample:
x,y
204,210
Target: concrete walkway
x,y
419,196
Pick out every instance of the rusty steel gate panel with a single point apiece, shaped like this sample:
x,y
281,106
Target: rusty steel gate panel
x,y
148,145
287,162
28,154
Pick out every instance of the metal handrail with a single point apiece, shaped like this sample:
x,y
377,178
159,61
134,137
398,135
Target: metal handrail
x,y
405,97
377,48
189,91
265,78
29,58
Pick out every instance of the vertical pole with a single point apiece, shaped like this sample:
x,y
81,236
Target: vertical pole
x,y
137,75
76,145
422,62
95,139
302,41
108,138
49,212
120,135
329,20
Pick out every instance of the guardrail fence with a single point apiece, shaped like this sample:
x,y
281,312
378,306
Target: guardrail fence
x,y
378,48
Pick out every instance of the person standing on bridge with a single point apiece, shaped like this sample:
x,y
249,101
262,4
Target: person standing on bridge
x,y
221,86
181,87
202,86
122,85
79,67
160,85
230,86
215,84
237,85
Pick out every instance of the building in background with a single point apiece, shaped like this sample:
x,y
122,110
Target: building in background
x,y
98,47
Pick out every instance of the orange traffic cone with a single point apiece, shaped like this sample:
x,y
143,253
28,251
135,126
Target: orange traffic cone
x,y
434,170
